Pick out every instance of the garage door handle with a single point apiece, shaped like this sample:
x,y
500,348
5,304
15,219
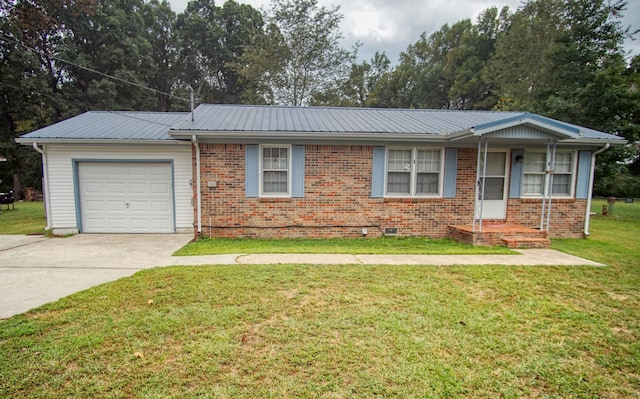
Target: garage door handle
x,y
127,204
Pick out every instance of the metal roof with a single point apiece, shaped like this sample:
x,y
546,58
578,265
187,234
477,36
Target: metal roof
x,y
246,122
110,125
248,118
249,121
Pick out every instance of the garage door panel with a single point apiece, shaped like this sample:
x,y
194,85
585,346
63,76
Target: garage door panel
x,y
139,223
93,187
158,171
160,188
138,188
115,206
137,170
126,197
115,169
160,223
139,206
118,225
93,170
96,223
115,188
159,206
94,205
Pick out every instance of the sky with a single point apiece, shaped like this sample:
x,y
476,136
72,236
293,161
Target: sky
x,y
392,25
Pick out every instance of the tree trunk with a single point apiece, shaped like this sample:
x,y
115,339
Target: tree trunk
x,y
17,185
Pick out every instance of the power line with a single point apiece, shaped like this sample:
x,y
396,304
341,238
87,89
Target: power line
x,y
42,53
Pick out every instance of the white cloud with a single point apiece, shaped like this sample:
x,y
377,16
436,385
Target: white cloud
x,y
390,26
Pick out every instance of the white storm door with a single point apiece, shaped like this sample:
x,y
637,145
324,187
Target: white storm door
x,y
494,202
126,197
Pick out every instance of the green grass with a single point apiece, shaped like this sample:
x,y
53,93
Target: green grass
x,y
383,245
349,331
27,218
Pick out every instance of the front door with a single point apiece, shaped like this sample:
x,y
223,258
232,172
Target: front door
x,y
493,205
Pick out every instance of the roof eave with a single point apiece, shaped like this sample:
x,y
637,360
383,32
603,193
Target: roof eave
x,y
597,142
247,136
42,140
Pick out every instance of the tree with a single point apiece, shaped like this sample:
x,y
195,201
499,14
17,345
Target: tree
x,y
520,69
113,41
33,37
446,68
564,59
300,54
357,89
211,41
159,22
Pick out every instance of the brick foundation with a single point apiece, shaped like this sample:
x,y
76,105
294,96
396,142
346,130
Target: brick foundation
x,y
338,200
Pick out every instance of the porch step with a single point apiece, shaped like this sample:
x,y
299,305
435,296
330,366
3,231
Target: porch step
x,y
513,236
526,242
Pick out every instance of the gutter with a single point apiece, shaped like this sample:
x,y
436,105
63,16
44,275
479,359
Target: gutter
x,y
247,136
45,184
587,216
40,140
352,137
194,140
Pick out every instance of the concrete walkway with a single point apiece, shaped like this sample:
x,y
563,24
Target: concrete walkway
x,y
35,270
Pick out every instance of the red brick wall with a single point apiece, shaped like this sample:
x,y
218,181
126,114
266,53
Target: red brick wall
x,y
337,200
567,215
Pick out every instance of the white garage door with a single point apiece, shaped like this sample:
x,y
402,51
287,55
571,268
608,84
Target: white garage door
x,y
126,197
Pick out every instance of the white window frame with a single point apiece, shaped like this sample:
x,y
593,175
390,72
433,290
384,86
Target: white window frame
x,y
573,173
262,170
413,176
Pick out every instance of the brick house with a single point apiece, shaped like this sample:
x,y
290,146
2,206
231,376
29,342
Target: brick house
x,y
263,171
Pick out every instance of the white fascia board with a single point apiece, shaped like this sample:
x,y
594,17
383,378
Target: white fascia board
x,y
595,142
31,140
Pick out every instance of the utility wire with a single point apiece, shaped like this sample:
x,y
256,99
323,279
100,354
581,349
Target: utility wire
x,y
42,53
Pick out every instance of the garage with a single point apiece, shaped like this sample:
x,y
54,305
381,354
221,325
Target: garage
x,y
125,197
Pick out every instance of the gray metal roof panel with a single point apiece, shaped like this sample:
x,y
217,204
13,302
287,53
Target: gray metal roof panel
x,y
234,118
141,126
116,125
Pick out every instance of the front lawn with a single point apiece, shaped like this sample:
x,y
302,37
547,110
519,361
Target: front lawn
x,y
382,245
26,218
299,331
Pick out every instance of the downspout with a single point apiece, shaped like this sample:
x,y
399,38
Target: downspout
x,y
45,185
587,215
194,140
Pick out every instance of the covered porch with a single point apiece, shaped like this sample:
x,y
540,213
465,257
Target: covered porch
x,y
525,168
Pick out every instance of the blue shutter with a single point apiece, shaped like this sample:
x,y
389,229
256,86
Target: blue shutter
x,y
252,171
517,169
297,172
377,178
450,172
584,173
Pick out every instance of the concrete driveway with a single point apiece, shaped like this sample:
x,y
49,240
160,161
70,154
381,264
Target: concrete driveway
x,y
35,270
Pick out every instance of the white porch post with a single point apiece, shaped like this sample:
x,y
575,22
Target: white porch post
x,y
480,186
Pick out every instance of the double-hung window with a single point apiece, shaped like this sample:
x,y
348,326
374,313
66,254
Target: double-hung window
x,y
535,173
275,170
414,172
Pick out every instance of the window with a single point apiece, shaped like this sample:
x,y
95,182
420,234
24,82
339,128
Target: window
x,y
535,165
414,172
275,169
